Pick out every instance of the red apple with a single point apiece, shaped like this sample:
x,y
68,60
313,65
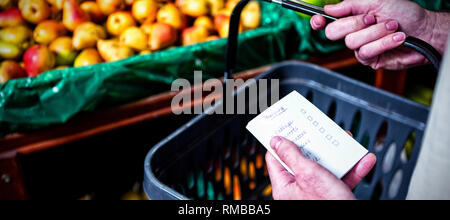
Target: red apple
x,y
38,59
73,15
11,70
11,17
162,36
194,35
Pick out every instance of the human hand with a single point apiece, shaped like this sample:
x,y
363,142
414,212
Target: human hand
x,y
376,30
311,181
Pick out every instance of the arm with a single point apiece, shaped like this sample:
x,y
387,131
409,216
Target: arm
x,y
431,177
440,27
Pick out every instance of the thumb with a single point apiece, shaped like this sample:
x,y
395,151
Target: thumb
x,y
290,154
279,177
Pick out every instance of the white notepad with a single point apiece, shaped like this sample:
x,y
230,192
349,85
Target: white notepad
x,y
318,137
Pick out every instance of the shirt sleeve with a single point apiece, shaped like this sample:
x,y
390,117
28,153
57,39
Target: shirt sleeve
x,y
431,176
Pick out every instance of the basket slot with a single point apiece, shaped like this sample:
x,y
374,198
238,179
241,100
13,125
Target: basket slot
x,y
380,138
408,147
322,101
310,96
368,128
355,125
391,168
345,114
331,113
377,190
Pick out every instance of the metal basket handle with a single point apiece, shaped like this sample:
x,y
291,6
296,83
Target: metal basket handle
x,y
416,44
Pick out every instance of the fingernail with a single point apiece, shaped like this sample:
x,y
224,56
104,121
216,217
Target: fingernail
x,y
365,165
326,7
275,142
315,22
369,19
399,37
361,168
392,25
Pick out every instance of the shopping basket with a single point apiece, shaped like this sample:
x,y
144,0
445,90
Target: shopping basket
x,y
213,156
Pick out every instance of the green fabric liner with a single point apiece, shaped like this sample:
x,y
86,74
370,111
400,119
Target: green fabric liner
x,y
56,96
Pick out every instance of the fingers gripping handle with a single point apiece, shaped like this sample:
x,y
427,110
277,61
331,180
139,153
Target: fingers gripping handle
x,y
426,50
416,44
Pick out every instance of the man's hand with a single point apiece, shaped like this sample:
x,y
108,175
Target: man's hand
x,y
311,181
375,30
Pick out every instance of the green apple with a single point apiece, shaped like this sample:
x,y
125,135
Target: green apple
x,y
320,3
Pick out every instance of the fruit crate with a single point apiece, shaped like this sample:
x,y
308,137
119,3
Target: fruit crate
x,y
100,126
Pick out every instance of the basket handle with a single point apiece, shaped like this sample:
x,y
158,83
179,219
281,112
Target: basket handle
x,y
233,38
416,44
426,50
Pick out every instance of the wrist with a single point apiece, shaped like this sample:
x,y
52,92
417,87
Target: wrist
x,y
438,27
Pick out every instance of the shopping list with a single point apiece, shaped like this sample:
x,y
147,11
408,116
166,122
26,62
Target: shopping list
x,y
318,137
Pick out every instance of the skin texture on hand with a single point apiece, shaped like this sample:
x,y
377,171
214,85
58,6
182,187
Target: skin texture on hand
x,y
376,29
311,181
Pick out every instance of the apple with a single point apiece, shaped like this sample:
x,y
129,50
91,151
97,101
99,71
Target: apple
x,y
73,15
113,50
110,6
222,24
147,26
130,2
9,50
65,53
215,6
87,34
58,4
144,10
135,38
38,59
93,11
206,22
195,8
11,17
34,11
87,57
213,38
231,4
15,34
6,4
319,3
145,52
251,16
171,15
119,22
162,36
11,70
194,35
47,31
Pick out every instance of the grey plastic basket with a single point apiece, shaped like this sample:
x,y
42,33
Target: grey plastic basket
x,y
214,157
205,156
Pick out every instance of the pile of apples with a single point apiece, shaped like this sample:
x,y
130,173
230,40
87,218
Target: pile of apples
x,y
40,35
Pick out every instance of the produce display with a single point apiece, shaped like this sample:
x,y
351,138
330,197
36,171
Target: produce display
x,y
40,35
